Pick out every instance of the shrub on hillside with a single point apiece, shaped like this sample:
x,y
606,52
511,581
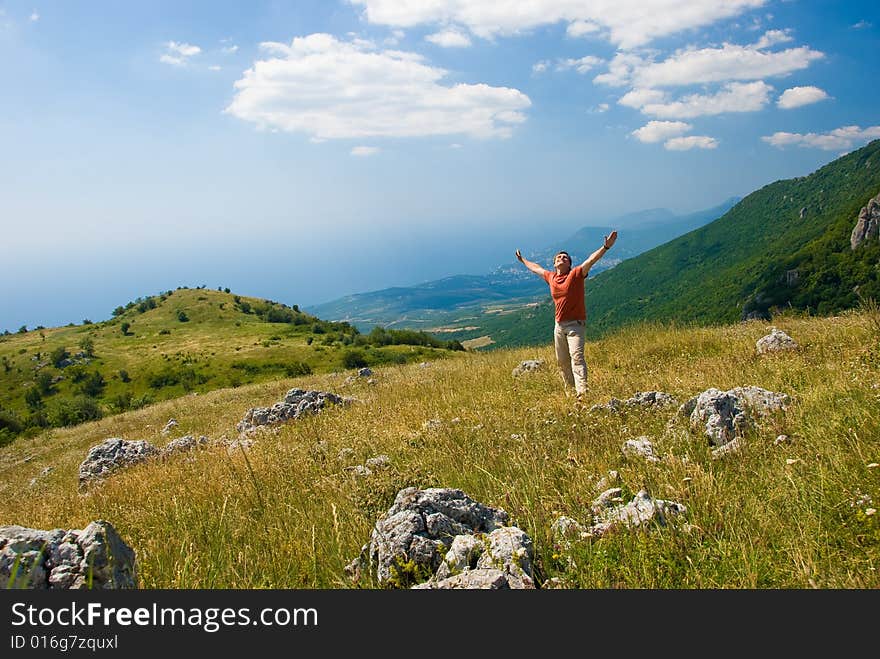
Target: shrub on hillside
x,y
87,345
295,369
72,411
58,355
10,422
354,359
33,399
43,383
93,384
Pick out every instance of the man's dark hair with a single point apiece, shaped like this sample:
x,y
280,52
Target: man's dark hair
x,y
562,251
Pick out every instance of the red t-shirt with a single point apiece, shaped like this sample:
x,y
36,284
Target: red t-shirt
x,y
567,292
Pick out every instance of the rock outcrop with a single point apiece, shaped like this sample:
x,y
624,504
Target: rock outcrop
x,y
296,403
725,415
113,454
609,516
643,399
93,558
775,341
528,366
440,538
867,225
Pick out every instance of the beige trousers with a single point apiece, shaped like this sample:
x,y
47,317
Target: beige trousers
x,y
569,338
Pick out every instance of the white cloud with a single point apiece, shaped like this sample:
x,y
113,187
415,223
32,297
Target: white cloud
x,y
178,54
449,38
577,29
690,142
844,138
540,67
330,89
394,38
229,50
657,131
638,98
734,97
795,97
773,37
183,49
602,107
862,24
170,59
627,23
364,151
707,65
214,67
34,17
581,65
620,70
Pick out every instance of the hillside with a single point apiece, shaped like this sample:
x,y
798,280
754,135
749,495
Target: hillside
x,y
175,343
452,301
793,507
716,273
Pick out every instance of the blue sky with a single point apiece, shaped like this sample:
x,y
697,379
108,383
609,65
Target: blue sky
x,y
301,151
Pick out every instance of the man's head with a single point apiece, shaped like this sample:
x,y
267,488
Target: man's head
x,y
562,262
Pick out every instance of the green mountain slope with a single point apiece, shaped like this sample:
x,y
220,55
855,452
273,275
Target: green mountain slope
x,y
179,342
714,274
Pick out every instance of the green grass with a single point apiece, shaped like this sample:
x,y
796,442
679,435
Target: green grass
x,y
287,514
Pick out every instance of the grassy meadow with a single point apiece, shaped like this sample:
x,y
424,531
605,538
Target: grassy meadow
x,y
286,513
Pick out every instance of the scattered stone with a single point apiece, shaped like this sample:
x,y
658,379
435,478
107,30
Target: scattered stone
x,y
723,415
185,443
528,366
607,518
649,399
378,462
345,454
604,482
606,499
359,471
418,531
238,445
172,423
296,403
775,341
365,372
782,439
733,446
112,454
640,447
567,529
92,558
500,560
432,424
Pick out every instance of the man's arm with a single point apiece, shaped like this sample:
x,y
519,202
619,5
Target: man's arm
x,y
531,265
610,239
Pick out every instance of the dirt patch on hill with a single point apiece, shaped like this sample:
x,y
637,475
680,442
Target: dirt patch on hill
x,y
479,342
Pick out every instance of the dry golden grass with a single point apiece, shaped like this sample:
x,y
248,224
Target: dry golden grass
x,y
287,514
